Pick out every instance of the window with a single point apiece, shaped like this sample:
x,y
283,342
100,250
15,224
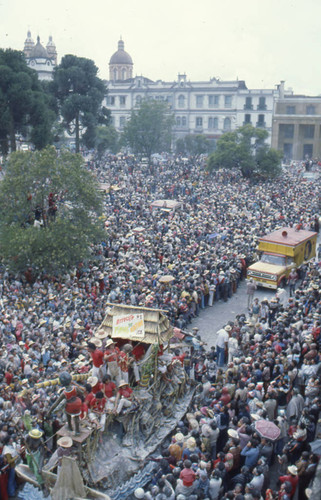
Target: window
x,y
199,122
115,74
178,121
227,124
122,100
262,104
248,103
138,99
122,120
181,101
123,74
287,131
307,151
308,131
199,101
247,118
184,122
228,101
311,110
290,110
260,121
213,123
110,100
213,101
288,150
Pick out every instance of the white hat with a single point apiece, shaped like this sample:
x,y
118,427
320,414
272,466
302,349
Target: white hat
x,y
109,342
92,381
122,383
228,328
233,433
65,442
139,493
293,470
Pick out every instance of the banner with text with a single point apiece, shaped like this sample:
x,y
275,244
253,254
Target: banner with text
x,y
129,326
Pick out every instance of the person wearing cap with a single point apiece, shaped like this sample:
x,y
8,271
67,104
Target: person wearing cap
x,y
124,397
111,358
292,477
222,345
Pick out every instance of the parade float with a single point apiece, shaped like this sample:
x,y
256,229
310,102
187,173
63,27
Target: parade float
x,y
116,460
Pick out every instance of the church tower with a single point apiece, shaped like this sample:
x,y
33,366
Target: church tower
x,y
120,64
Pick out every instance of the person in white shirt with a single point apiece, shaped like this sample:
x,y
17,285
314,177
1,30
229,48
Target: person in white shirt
x,y
222,345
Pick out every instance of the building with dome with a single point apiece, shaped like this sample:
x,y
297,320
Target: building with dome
x,y
41,59
210,107
120,64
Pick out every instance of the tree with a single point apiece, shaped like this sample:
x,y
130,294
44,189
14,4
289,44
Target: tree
x,y
106,139
193,144
246,149
24,105
149,129
80,93
49,211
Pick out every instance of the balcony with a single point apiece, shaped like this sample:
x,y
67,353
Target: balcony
x,y
261,124
248,106
261,107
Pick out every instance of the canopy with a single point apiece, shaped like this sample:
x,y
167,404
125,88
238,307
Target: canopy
x,y
136,323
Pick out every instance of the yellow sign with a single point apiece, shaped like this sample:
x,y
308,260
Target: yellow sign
x,y
128,326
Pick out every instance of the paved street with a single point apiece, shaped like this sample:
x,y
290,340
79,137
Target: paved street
x,y
213,318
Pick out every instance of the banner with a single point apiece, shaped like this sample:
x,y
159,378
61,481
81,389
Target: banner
x,y
129,326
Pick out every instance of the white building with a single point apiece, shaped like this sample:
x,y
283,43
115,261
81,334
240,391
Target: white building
x,y
206,107
39,58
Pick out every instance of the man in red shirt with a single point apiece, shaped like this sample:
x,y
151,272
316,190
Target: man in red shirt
x,y
124,397
185,484
97,410
109,389
292,478
97,357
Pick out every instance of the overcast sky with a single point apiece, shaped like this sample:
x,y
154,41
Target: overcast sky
x,y
259,41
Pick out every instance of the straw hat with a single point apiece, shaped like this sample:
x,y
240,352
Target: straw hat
x,y
96,341
109,342
233,433
191,443
35,433
293,470
65,442
92,381
121,383
228,328
101,334
179,437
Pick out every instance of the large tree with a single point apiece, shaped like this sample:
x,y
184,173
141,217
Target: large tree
x,y
106,139
50,211
80,92
246,149
193,144
24,105
149,128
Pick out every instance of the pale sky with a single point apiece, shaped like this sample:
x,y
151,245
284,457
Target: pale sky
x,y
261,42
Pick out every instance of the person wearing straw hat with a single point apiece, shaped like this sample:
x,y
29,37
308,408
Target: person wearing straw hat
x,y
124,397
292,477
111,355
35,452
64,448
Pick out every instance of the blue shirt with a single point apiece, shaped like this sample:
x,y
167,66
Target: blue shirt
x,y
251,456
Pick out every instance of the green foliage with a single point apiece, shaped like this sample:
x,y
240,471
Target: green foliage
x,y
79,93
65,239
106,140
24,105
193,144
245,148
149,129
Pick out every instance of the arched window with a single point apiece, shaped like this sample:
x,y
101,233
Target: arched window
x,y
227,124
181,101
115,74
123,74
178,121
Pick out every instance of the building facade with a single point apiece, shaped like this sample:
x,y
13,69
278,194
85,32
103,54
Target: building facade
x,y
296,127
41,59
205,107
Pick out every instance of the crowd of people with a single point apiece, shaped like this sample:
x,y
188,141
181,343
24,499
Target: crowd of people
x,y
48,323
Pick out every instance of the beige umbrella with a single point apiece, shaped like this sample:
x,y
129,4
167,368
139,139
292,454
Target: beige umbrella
x,y
167,278
139,229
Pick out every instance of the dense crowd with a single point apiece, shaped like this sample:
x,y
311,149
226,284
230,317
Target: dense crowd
x,y
205,245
